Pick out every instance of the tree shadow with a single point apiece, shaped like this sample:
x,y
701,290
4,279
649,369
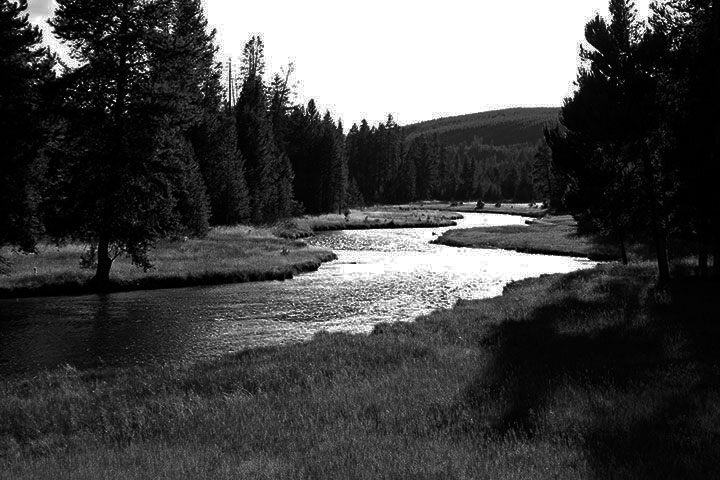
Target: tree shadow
x,y
647,369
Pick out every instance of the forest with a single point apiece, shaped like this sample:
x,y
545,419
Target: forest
x,y
637,151
136,137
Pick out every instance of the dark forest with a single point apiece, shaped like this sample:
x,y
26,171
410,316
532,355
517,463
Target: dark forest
x,y
136,137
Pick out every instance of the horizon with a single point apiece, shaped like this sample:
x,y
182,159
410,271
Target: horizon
x,y
373,76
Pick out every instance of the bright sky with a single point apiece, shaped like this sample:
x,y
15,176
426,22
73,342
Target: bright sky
x,y
418,59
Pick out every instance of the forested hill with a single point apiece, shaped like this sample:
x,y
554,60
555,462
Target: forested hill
x,y
498,127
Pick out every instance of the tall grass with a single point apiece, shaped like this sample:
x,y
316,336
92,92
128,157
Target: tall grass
x,y
591,374
532,210
226,255
552,235
384,217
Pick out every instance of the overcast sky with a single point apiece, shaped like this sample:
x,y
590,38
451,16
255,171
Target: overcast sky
x,y
415,59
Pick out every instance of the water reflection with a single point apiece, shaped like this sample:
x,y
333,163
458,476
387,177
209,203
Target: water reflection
x,y
380,275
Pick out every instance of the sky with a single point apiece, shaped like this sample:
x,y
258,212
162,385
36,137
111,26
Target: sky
x,y
417,60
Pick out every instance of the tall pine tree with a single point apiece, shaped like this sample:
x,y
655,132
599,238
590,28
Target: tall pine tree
x,y
268,169
25,65
125,176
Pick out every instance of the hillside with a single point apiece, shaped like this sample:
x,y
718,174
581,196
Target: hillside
x,y
498,127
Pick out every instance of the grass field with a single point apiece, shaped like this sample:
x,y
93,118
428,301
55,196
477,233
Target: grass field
x,y
226,255
588,375
380,217
551,235
520,209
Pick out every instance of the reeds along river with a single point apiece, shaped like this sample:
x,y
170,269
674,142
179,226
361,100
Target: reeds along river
x,y
380,276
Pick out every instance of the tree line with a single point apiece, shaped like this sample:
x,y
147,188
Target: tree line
x,y
637,151
132,138
389,166
135,137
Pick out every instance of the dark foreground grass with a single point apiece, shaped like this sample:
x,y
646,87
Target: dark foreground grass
x,y
226,255
588,375
551,235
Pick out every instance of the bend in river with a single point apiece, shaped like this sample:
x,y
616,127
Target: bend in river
x,y
380,276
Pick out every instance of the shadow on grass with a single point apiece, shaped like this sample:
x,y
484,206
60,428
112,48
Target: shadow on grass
x,y
628,376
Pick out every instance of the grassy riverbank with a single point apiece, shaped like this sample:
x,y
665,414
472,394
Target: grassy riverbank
x,y
551,235
226,255
520,209
591,374
383,217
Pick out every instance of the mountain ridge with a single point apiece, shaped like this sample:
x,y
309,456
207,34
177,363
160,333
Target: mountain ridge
x,y
508,126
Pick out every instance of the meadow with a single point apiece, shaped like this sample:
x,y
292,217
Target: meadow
x,y
363,219
225,255
594,374
550,235
532,210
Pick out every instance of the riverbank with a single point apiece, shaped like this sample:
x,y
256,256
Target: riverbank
x,y
590,374
375,218
551,235
518,209
226,255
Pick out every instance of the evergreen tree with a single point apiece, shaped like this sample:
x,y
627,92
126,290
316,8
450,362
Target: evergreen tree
x,y
25,67
425,156
544,184
123,170
280,93
607,148
685,46
269,173
354,197
338,169
196,96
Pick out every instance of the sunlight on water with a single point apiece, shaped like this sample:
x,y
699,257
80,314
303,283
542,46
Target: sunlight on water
x,y
380,276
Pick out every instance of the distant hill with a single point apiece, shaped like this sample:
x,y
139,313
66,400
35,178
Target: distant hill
x,y
510,126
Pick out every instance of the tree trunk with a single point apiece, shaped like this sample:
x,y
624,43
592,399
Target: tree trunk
x,y
623,250
662,256
658,230
102,274
716,104
702,257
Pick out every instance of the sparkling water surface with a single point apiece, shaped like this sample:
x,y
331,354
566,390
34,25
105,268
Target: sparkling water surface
x,y
380,276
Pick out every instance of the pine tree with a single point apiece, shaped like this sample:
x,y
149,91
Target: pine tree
x,y
684,47
198,96
280,94
269,172
124,171
543,175
338,170
26,67
607,150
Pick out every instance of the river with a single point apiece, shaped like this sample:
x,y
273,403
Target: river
x,y
380,276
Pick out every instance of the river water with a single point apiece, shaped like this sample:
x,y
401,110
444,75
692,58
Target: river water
x,y
380,276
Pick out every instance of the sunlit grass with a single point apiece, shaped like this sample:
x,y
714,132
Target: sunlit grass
x,y
533,210
381,217
551,235
591,374
226,255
